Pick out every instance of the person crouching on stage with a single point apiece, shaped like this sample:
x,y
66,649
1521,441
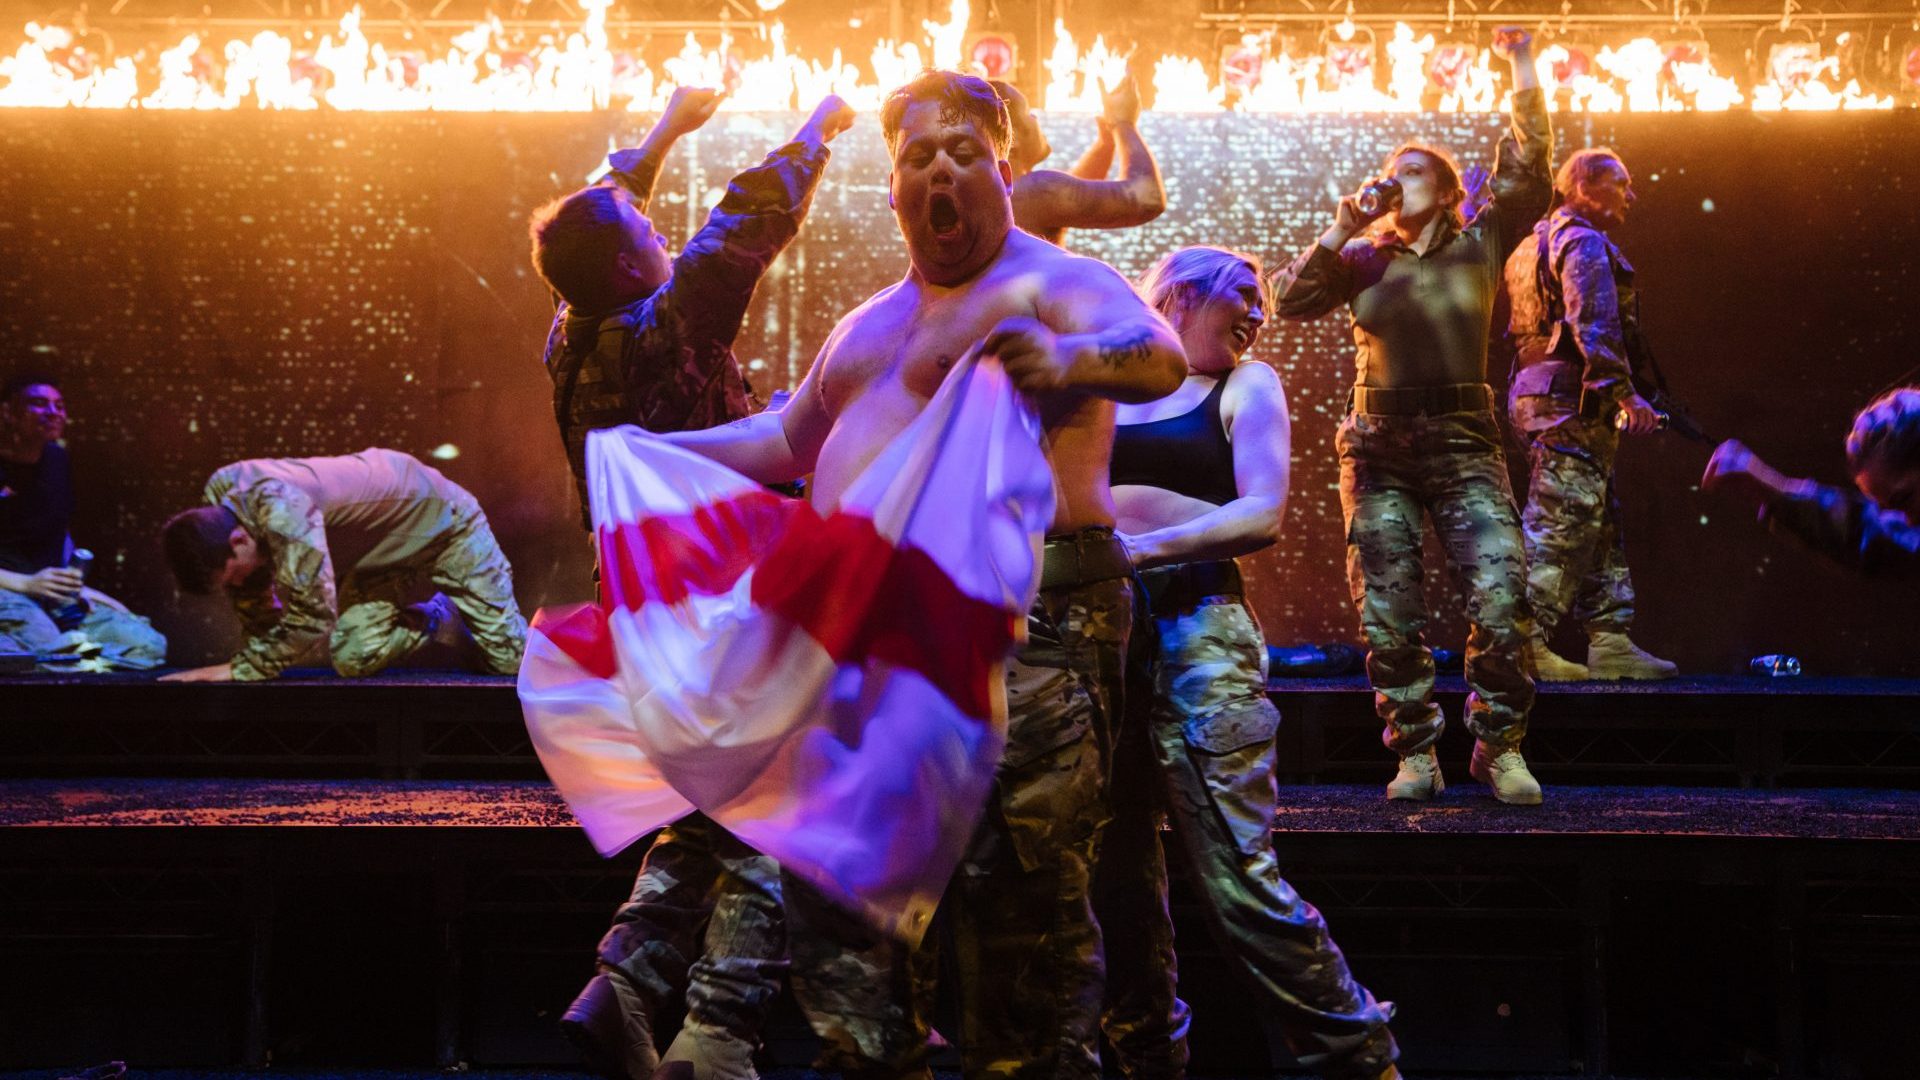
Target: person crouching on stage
x,y
42,598
1420,437
1874,531
1047,203
268,537
1574,313
640,339
1200,477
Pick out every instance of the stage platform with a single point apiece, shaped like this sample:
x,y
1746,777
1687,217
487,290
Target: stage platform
x,y
1730,731
1666,931
315,872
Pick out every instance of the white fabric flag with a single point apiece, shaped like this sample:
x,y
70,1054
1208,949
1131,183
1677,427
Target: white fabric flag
x,y
830,689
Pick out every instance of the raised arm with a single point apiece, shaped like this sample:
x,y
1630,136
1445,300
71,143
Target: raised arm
x,y
715,274
638,169
1522,184
290,527
1097,162
1254,412
1045,201
1841,525
1094,336
1320,279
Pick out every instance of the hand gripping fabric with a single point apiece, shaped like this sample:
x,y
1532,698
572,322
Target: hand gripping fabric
x,y
829,688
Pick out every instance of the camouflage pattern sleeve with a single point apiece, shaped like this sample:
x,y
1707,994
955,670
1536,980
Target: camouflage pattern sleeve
x,y
1315,283
1849,529
715,274
1522,181
637,169
290,527
1593,313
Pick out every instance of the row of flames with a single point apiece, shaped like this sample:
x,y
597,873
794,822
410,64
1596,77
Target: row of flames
x,y
481,71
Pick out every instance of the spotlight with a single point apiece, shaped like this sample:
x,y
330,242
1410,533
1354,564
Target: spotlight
x,y
993,53
1448,64
1241,64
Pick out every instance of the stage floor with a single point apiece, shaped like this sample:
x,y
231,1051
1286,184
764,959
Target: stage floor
x,y
1464,810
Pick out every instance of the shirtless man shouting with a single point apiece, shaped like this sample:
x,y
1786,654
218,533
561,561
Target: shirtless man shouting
x,y
1075,338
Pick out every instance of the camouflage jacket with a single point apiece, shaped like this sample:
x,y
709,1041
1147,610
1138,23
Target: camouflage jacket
x,y
1424,319
666,362
1572,316
387,510
1849,529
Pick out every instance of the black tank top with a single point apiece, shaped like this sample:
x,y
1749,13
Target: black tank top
x,y
1188,454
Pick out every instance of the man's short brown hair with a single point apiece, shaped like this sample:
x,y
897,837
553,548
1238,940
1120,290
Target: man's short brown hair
x,y
576,239
1887,432
198,543
1583,166
961,97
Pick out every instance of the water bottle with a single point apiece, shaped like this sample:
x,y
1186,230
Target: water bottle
x,y
1775,665
1378,197
68,615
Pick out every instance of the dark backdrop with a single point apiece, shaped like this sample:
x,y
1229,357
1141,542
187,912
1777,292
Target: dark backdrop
x,y
213,287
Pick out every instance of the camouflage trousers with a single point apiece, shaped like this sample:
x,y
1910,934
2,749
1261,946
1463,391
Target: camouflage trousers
x,y
1395,471
108,633
468,568
705,919
1016,921
1576,561
1196,752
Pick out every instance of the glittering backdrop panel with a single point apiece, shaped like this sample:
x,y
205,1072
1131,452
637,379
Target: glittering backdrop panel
x,y
212,287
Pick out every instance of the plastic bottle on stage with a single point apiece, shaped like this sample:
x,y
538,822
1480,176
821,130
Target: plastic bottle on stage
x,y
68,615
1379,196
1775,665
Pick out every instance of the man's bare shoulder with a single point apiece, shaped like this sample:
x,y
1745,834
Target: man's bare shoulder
x,y
1029,254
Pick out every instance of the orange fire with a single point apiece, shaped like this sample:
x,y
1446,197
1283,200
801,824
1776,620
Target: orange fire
x,y
480,70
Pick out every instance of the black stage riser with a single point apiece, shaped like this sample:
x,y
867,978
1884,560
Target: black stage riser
x,y
1658,956
1744,732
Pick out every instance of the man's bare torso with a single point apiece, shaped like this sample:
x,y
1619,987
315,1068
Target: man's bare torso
x,y
887,358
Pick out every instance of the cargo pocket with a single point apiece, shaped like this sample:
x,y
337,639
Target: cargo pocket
x,y
1232,750
1047,788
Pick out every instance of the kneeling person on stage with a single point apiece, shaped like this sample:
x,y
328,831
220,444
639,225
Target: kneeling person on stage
x,y
1575,318
1200,477
42,598
276,531
1874,531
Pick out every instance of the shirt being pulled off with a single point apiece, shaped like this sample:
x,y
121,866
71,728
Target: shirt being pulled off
x,y
666,362
1423,320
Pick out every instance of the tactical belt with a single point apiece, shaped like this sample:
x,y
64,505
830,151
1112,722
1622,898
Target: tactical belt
x,y
1174,589
1420,400
1082,558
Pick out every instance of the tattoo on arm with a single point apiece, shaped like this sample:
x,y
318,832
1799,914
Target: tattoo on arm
x,y
1130,349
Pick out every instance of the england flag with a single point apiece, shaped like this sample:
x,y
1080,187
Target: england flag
x,y
830,688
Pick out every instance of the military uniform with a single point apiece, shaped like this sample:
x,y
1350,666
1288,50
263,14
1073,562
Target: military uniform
x,y
392,522
1848,528
666,363
1420,440
1197,753
36,512
1017,915
1573,311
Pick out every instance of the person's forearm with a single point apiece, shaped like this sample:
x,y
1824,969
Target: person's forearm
x,y
1140,172
1098,160
1315,283
1241,527
1526,75
1129,363
755,447
13,582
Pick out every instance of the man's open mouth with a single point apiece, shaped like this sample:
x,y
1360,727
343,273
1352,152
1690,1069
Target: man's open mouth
x,y
943,215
